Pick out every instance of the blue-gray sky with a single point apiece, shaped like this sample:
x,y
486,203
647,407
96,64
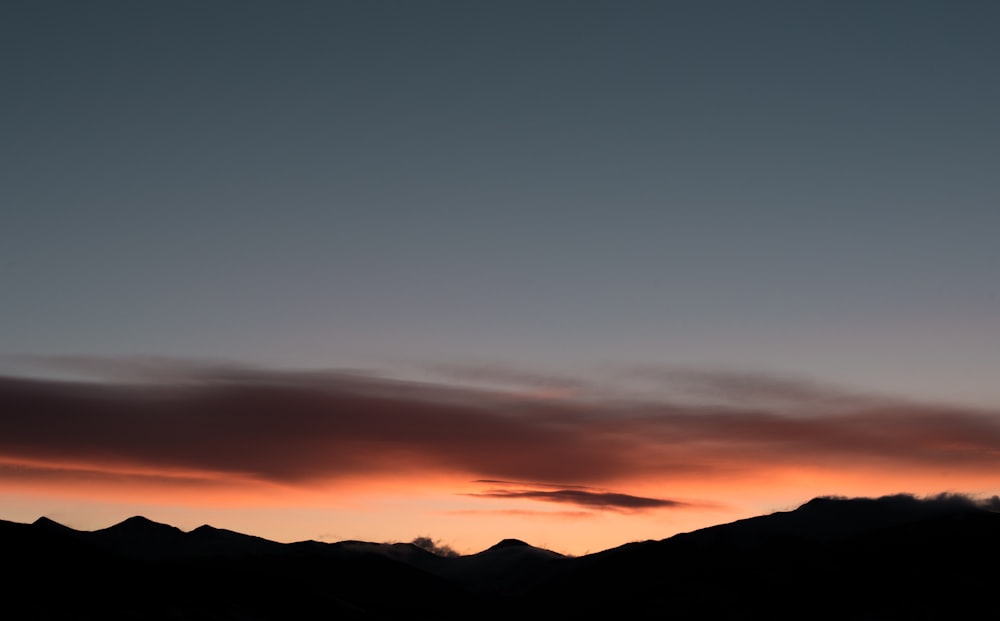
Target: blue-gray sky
x,y
805,188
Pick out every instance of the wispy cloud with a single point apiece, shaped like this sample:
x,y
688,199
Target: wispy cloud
x,y
580,495
738,387
601,500
495,374
532,484
434,546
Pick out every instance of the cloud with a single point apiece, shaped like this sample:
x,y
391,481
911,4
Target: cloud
x,y
913,504
729,387
295,428
131,369
493,375
602,500
434,547
579,495
531,484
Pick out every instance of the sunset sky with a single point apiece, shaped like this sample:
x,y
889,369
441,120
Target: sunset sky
x,y
579,273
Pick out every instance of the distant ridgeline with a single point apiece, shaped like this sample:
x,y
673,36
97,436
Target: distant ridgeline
x,y
895,557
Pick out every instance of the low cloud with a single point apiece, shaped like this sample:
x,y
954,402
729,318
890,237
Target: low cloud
x,y
915,507
945,502
434,546
600,500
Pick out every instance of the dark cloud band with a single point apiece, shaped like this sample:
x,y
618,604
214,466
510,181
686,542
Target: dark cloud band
x,y
297,427
602,500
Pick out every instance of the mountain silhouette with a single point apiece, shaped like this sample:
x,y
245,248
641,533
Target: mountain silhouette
x,y
508,543
51,525
895,557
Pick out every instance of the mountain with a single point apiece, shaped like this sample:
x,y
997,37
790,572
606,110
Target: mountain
x,y
888,558
139,537
830,519
129,571
510,566
51,525
895,557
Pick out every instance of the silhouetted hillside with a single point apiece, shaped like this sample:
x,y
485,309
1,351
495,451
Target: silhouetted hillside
x,y
889,558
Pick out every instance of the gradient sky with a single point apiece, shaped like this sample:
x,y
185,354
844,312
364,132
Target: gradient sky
x,y
574,272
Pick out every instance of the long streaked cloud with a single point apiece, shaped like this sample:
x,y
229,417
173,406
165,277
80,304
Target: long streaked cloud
x,y
583,498
495,374
579,495
297,427
727,387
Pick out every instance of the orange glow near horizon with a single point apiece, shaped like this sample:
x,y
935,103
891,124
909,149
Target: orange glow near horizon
x,y
444,507
293,457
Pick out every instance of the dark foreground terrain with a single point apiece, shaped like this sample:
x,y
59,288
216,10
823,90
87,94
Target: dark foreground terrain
x,y
890,558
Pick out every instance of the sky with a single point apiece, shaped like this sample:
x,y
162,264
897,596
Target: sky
x,y
576,272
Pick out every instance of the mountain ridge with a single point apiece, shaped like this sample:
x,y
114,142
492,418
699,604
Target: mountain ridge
x,y
864,558
821,518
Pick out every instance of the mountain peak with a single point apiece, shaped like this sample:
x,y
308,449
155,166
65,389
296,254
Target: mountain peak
x,y
138,523
509,543
45,522
139,519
